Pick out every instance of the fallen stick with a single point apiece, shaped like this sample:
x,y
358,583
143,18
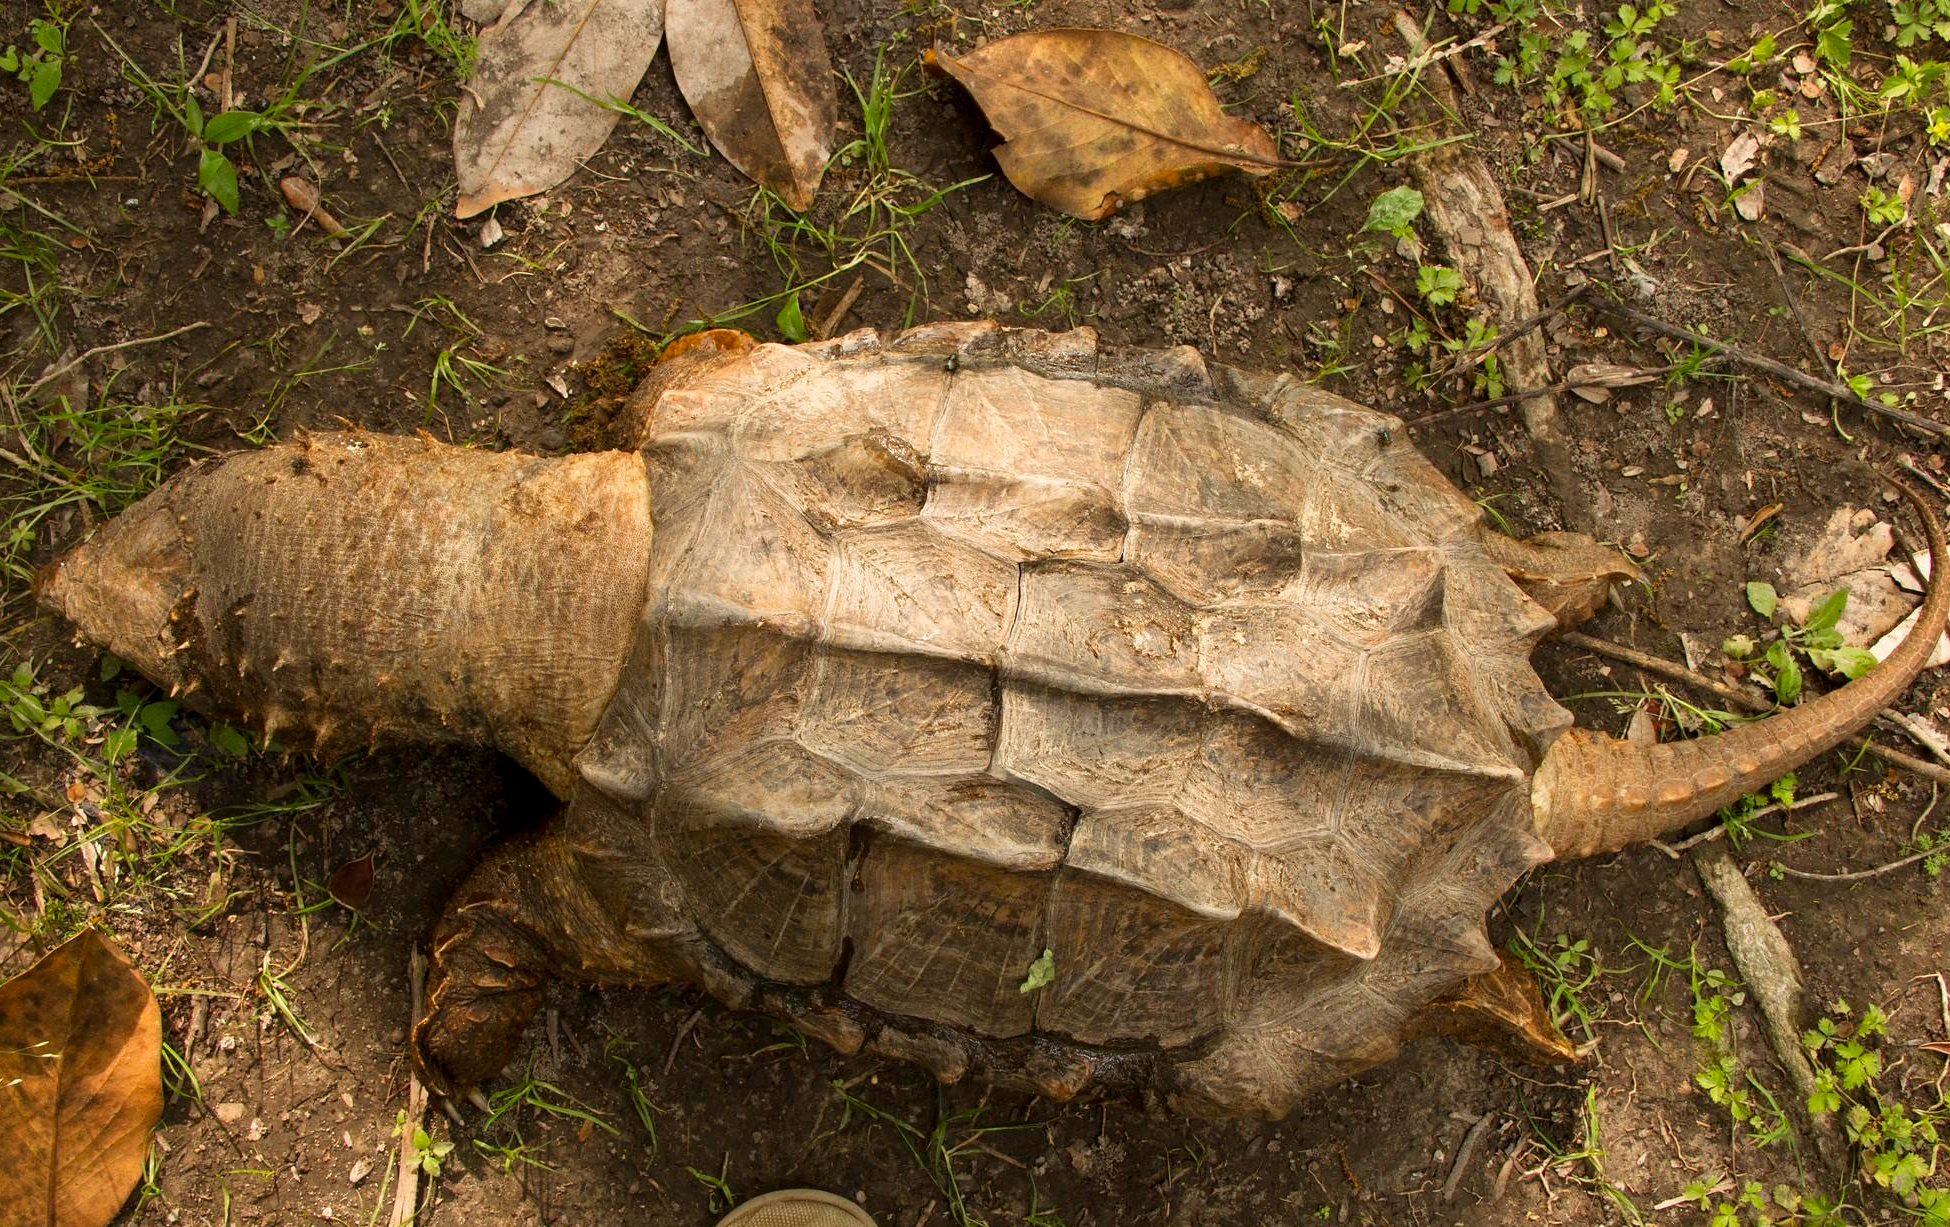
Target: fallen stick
x,y
1465,208
1766,964
1562,385
1864,874
1680,673
406,1188
1474,358
1860,874
98,350
1719,830
1920,732
1464,1153
1766,366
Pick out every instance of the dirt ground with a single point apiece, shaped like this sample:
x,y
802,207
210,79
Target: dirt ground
x,y
290,1011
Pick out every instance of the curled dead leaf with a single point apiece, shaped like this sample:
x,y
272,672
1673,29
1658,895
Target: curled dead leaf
x,y
1751,203
1093,120
302,195
80,1085
534,109
1739,156
1593,381
759,80
1757,521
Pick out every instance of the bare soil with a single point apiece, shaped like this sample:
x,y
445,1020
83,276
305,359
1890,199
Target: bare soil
x,y
304,334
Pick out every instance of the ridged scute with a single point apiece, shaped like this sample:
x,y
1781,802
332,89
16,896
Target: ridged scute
x,y
973,642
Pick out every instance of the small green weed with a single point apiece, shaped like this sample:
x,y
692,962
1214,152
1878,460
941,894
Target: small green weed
x,y
1437,284
722,1198
935,1151
39,66
1815,638
646,1111
81,461
1896,1142
1578,69
1741,816
1587,1161
422,1151
215,137
1394,212
1565,969
425,22
279,1000
867,231
529,1101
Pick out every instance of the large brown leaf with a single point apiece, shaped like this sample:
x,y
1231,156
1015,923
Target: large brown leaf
x,y
759,80
524,124
1096,119
80,1086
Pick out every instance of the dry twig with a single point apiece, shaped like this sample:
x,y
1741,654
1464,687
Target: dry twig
x,y
1719,830
98,350
1464,1153
1860,874
1465,208
1739,698
406,1189
1765,961
1766,366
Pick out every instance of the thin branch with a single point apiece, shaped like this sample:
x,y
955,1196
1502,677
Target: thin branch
x,y
1920,732
1766,366
1530,323
1763,958
99,350
1563,385
1719,830
406,1187
1464,1153
1859,874
1739,698
1429,54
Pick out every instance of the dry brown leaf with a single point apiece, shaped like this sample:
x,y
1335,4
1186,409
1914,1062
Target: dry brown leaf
x,y
1094,119
1757,521
1751,204
80,1085
1739,156
760,82
351,883
523,127
1593,381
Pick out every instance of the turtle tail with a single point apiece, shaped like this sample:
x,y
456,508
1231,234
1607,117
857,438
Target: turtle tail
x,y
1594,794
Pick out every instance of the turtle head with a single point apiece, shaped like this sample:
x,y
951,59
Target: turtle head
x,y
128,587
347,589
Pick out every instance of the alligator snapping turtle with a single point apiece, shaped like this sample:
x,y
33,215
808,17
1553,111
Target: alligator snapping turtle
x,y
988,698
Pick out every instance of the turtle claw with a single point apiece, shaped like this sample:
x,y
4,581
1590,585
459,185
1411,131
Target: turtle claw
x,y
479,1100
1502,1010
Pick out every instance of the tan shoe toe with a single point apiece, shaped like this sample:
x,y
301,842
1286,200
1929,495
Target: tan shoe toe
x,y
797,1208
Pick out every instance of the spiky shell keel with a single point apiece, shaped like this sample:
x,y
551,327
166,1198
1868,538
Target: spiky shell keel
x,y
353,588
